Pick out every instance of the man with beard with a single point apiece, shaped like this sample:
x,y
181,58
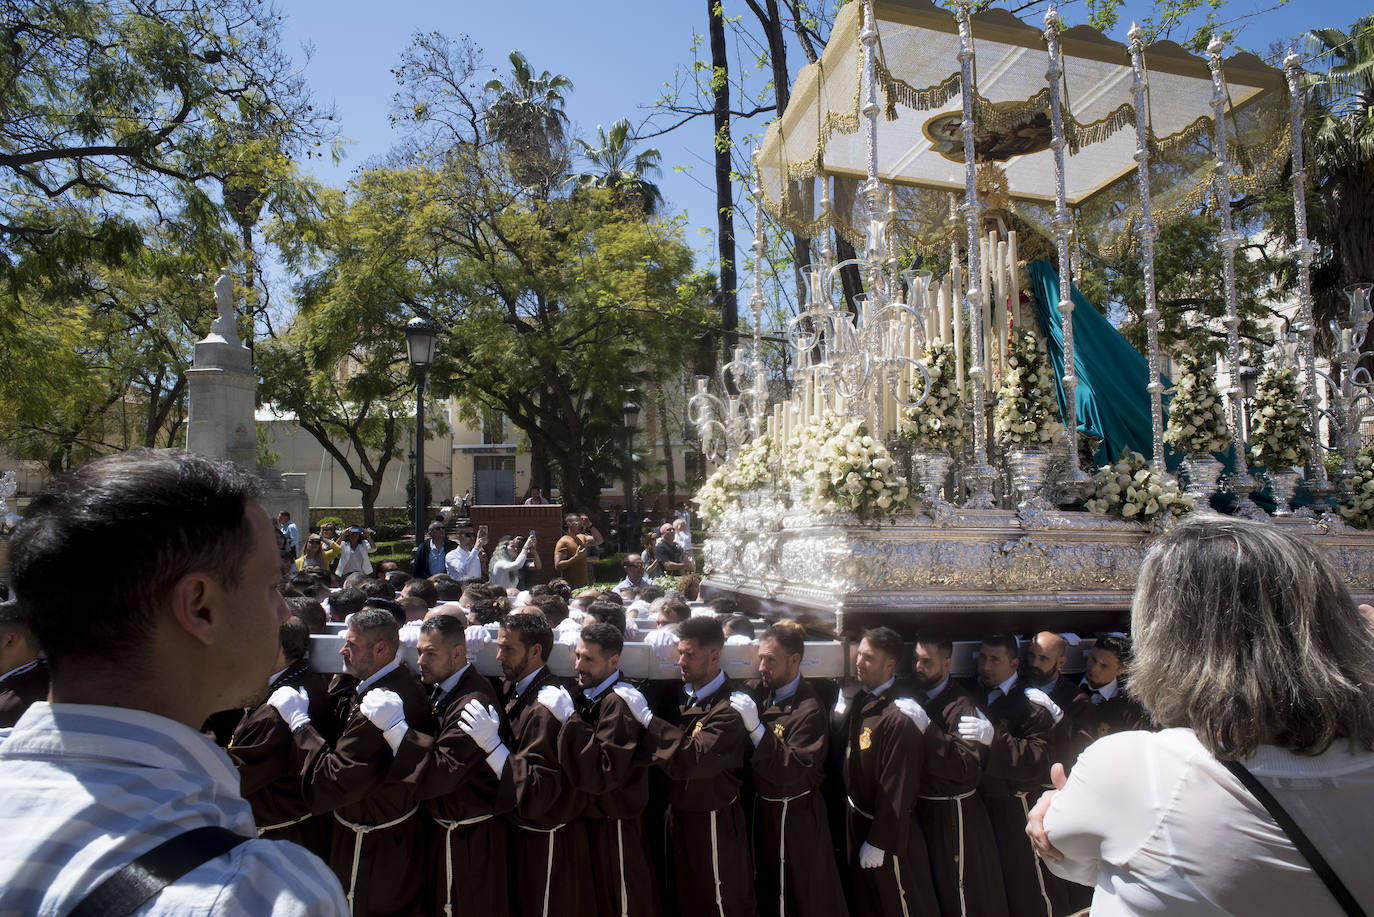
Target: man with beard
x,y
448,772
703,758
1101,706
261,748
549,874
377,836
110,788
1015,724
598,749
963,853
1045,658
790,730
883,762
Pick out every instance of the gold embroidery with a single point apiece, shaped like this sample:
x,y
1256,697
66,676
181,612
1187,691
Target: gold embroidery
x,y
696,729
866,739
778,731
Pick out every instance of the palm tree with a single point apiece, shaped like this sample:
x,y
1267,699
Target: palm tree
x,y
528,119
618,167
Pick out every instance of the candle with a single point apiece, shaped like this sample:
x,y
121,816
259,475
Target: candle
x,y
942,308
957,304
1014,265
1000,283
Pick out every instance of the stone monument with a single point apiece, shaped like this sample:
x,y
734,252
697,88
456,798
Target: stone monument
x,y
222,390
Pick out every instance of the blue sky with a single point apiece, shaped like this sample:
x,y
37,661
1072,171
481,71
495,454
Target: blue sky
x,y
618,54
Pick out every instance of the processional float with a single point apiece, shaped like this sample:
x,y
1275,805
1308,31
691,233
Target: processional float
x,y
978,142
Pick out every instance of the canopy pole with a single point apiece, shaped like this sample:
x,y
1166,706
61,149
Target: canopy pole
x,y
756,303
1303,250
980,474
1147,233
1240,481
873,197
1062,224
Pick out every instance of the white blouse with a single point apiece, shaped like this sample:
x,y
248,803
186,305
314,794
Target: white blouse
x,y
1158,826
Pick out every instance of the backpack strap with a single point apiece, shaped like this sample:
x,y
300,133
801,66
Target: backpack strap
x,y
1298,837
137,883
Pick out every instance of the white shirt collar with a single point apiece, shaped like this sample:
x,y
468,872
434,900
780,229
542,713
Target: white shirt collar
x,y
1005,687
378,676
1108,691
524,683
787,690
448,684
878,691
935,691
596,692
706,690
275,676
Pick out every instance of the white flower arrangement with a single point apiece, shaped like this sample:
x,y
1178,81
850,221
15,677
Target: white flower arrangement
x,y
1358,509
844,469
750,467
936,424
1197,415
1278,433
1129,489
1027,415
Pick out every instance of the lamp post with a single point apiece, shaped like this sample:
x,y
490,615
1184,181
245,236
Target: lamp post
x,y
631,422
420,337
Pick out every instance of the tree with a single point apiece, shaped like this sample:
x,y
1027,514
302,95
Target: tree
x,y
528,119
616,166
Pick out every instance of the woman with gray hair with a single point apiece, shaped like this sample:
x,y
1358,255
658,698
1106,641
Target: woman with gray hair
x,y
1251,656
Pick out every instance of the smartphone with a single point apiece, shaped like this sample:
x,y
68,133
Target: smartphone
x,y
531,533
481,534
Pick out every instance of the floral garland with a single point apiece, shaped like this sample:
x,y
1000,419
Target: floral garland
x,y
1027,411
750,467
1197,415
1278,436
1130,489
936,424
1358,508
844,469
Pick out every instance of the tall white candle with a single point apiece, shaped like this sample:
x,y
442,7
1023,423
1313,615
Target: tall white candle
x,y
1014,266
1000,284
957,304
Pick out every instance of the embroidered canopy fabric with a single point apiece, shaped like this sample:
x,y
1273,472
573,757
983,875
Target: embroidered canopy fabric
x,y
920,144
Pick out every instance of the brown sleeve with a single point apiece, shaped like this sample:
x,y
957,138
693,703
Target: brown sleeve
x,y
436,765
898,772
345,774
1022,753
949,757
261,750
599,759
532,774
798,757
720,745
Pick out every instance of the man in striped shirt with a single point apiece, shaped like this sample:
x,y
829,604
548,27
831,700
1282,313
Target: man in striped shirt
x,y
175,616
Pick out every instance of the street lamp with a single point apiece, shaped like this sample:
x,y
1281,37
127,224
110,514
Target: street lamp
x,y
631,421
420,337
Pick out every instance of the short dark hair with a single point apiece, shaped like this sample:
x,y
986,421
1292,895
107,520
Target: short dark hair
x,y
724,605
1004,642
605,612
559,586
377,623
295,640
139,521
738,625
423,588
446,588
650,591
389,605
345,602
791,640
554,608
610,595
680,609
532,631
308,585
1116,643
944,647
285,513
604,636
377,588
485,611
886,640
398,579
309,611
704,629
446,626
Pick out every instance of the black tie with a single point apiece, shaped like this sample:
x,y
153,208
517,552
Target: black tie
x,y
993,695
436,694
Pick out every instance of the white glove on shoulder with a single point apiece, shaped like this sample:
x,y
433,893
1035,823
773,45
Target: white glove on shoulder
x,y
1041,699
293,704
914,712
749,714
664,643
871,857
387,712
976,728
558,700
476,638
483,724
635,701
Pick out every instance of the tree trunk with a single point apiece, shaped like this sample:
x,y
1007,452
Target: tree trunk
x,y
728,299
669,470
851,281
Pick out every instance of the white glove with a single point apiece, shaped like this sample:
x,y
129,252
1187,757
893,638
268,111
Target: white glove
x,y
976,728
386,711
1041,699
871,857
914,712
664,643
476,638
749,713
558,700
841,704
484,726
293,704
635,701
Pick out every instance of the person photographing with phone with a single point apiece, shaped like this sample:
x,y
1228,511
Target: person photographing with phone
x,y
570,554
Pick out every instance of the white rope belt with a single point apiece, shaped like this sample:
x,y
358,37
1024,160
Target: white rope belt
x,y
950,798
548,866
782,846
1039,871
285,824
360,832
784,799
448,824
853,805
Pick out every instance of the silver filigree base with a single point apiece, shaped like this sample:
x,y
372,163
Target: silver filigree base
x,y
1204,473
1242,485
1030,477
979,478
931,470
1284,485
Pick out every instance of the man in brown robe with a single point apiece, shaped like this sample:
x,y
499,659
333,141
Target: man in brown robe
x,y
23,672
551,863
884,759
266,758
378,838
598,748
704,760
963,852
795,873
1016,729
467,837
1101,706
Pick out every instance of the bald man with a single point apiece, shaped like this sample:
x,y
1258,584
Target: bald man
x,y
1045,657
